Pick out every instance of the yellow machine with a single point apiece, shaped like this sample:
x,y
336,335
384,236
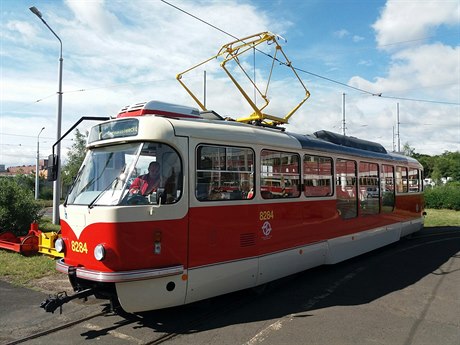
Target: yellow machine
x,y
231,52
46,244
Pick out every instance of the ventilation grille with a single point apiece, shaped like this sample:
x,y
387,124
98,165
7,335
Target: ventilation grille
x,y
247,240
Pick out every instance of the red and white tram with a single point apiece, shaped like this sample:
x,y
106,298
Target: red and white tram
x,y
237,206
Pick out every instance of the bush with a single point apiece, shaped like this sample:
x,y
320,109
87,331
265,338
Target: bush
x,y
446,197
18,208
46,193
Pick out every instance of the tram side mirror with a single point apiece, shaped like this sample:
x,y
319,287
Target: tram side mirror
x,y
52,167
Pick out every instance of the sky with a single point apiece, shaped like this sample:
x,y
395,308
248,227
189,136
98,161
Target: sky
x,y
383,55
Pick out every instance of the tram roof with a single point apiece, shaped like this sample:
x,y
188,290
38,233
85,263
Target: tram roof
x,y
235,132
363,148
322,141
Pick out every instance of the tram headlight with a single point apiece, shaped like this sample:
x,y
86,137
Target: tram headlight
x,y
99,252
59,245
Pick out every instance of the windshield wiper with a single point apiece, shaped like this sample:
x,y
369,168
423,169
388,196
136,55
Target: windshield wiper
x,y
115,180
77,178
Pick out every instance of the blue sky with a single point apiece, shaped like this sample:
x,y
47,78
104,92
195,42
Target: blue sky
x,y
122,52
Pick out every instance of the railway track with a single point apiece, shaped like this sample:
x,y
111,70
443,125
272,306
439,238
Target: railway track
x,y
193,317
210,315
56,329
193,320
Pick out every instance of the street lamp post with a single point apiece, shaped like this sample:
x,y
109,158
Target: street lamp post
x,y
56,183
36,166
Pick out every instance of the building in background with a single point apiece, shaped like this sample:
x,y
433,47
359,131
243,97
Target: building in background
x,y
25,169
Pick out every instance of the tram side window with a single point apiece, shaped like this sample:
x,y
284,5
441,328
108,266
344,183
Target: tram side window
x,y
414,181
279,174
387,184
346,188
369,189
401,179
317,178
224,173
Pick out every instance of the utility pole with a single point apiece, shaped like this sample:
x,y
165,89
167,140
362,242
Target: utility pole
x,y
57,183
398,123
394,145
343,113
37,169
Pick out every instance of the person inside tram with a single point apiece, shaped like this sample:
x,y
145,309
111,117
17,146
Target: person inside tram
x,y
148,183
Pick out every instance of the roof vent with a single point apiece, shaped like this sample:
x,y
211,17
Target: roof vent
x,y
159,109
356,143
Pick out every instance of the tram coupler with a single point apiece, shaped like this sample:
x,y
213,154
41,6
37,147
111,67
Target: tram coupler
x,y
56,301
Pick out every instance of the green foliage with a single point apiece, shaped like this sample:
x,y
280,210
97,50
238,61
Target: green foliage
x,y
443,197
18,208
46,225
408,150
46,193
428,163
76,156
436,167
25,181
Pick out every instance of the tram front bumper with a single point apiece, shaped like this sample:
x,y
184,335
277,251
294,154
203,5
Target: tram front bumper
x,y
119,277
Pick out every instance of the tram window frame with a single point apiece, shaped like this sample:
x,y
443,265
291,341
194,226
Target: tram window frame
x,y
401,179
413,183
276,183
369,183
318,185
222,178
387,183
346,206
170,189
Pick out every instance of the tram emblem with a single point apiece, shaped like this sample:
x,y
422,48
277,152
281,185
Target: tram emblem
x,y
266,229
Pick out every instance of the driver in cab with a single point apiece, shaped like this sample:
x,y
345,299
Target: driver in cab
x,y
148,183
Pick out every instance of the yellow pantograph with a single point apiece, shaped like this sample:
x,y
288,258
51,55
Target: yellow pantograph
x,y
232,52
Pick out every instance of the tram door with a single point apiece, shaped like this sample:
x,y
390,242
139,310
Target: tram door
x,y
161,222
172,197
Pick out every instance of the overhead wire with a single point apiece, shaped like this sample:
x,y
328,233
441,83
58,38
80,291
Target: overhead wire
x,y
380,94
316,75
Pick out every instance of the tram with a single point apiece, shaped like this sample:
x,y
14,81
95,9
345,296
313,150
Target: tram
x,y
235,206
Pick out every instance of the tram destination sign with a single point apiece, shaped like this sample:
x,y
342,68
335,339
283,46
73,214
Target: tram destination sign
x,y
114,129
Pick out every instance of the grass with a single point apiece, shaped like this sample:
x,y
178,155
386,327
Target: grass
x,y
45,203
20,270
46,225
442,218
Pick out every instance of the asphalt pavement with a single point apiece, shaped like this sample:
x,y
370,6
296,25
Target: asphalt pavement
x,y
405,293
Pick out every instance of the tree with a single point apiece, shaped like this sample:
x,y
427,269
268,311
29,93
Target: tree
x,y
408,151
18,207
76,156
450,165
428,163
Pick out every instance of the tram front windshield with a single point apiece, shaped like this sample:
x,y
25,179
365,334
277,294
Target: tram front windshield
x,y
109,174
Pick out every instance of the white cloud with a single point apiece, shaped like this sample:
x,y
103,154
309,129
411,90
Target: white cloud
x,y
411,20
341,33
415,71
94,16
138,45
22,28
120,53
425,72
